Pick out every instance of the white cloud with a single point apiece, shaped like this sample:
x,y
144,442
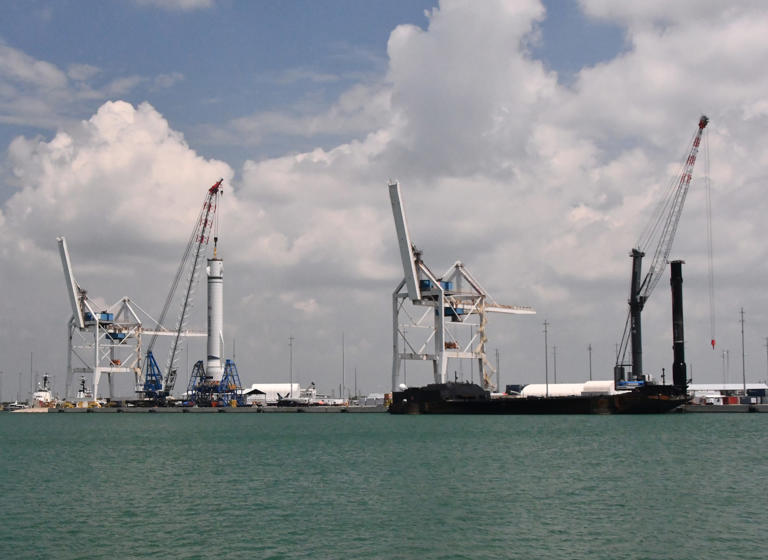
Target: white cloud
x,y
661,12
124,170
294,75
16,65
168,80
82,72
178,5
37,93
358,110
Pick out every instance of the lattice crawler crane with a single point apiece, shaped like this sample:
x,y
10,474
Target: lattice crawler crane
x,y
659,234
156,387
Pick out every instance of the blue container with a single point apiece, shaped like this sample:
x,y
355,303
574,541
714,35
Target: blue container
x,y
447,285
425,284
451,312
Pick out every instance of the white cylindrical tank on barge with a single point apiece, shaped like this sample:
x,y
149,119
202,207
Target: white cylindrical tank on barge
x,y
213,366
588,389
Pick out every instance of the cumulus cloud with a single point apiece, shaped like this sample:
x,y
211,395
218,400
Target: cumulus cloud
x,y
123,171
540,189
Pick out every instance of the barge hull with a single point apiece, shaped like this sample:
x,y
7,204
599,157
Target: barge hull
x,y
467,398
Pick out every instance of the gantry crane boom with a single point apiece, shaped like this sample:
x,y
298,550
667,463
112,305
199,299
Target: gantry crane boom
x,y
661,229
74,291
155,385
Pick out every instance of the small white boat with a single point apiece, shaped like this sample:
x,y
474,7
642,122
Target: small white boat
x,y
16,405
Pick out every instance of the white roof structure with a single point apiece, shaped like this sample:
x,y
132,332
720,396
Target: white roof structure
x,y
272,392
720,387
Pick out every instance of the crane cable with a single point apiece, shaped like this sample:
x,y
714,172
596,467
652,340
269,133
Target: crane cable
x,y
710,265
216,222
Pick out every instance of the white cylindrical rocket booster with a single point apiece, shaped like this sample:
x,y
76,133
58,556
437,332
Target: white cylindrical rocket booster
x,y
214,364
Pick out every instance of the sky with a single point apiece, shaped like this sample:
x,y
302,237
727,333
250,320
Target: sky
x,y
532,141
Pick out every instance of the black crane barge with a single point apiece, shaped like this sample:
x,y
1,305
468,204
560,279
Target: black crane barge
x,y
631,390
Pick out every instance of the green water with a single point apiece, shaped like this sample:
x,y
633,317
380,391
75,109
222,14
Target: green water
x,y
377,486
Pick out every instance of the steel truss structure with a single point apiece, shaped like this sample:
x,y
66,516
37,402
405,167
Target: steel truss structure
x,y
438,318
204,390
107,341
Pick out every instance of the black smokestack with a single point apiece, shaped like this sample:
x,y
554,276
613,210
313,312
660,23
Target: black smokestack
x,y
679,369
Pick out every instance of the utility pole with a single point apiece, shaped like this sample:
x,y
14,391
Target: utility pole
x,y
589,349
766,351
546,358
743,365
554,361
498,371
290,365
356,395
341,388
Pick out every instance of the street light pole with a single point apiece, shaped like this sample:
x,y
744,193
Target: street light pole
x,y
290,365
743,366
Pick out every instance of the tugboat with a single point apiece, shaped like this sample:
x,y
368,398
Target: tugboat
x,y
43,398
84,398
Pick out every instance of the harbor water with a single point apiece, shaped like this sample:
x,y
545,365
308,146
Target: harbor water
x,y
314,486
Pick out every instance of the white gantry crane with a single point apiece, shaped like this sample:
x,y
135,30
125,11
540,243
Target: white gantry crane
x,y
454,316
104,341
100,342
